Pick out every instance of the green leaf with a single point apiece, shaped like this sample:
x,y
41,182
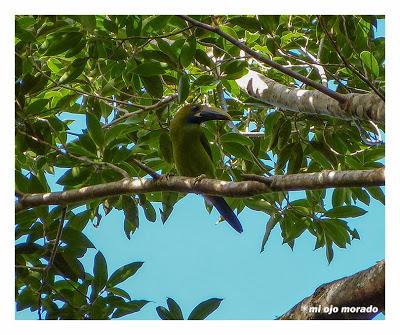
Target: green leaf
x,y
131,221
188,51
133,25
289,37
76,239
234,69
360,194
24,34
168,200
166,48
25,219
284,156
329,251
370,62
79,221
95,129
174,308
284,134
338,197
37,106
326,152
345,212
164,313
183,88
150,69
237,138
88,22
204,309
129,308
374,154
69,265
205,80
259,205
149,211
246,22
273,220
296,159
100,273
119,292
110,26
153,85
336,231
202,57
123,273
273,123
73,71
269,23
157,23
63,42
165,144
377,193
75,176
26,298
238,150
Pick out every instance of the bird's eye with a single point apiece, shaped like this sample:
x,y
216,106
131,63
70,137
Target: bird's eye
x,y
195,108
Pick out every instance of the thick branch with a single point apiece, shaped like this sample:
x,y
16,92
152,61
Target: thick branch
x,y
358,106
363,289
304,181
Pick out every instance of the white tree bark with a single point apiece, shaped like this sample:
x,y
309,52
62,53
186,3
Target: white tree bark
x,y
358,106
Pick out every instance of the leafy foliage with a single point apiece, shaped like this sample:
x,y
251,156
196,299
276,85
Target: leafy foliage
x,y
200,312
104,67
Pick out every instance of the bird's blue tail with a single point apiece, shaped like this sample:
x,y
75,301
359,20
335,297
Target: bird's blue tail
x,y
227,213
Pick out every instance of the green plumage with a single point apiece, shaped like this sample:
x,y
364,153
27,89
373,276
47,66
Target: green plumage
x,y
192,152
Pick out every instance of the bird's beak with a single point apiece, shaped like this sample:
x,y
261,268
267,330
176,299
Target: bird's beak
x,y
208,113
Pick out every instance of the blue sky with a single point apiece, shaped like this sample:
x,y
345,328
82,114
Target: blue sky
x,y
190,259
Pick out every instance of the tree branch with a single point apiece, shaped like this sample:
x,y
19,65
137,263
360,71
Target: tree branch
x,y
362,289
258,185
337,96
358,106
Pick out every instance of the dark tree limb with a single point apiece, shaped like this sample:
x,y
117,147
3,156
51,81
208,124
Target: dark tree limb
x,y
258,185
363,289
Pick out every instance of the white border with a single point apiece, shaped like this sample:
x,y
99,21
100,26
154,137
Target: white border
x,y
199,7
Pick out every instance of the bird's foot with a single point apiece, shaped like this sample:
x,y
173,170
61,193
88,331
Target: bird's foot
x,y
199,178
169,175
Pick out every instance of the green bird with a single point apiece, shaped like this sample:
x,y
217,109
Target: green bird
x,y
192,152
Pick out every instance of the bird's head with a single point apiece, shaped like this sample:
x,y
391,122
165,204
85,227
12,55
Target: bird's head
x,y
196,114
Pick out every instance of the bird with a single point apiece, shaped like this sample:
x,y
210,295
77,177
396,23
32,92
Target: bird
x,y
192,152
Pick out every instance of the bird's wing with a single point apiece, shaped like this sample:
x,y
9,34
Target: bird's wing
x,y
206,145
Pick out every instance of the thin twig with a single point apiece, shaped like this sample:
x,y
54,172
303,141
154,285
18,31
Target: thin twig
x,y
159,104
57,240
51,260
145,168
31,268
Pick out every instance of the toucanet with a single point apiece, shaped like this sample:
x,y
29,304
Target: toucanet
x,y
192,152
